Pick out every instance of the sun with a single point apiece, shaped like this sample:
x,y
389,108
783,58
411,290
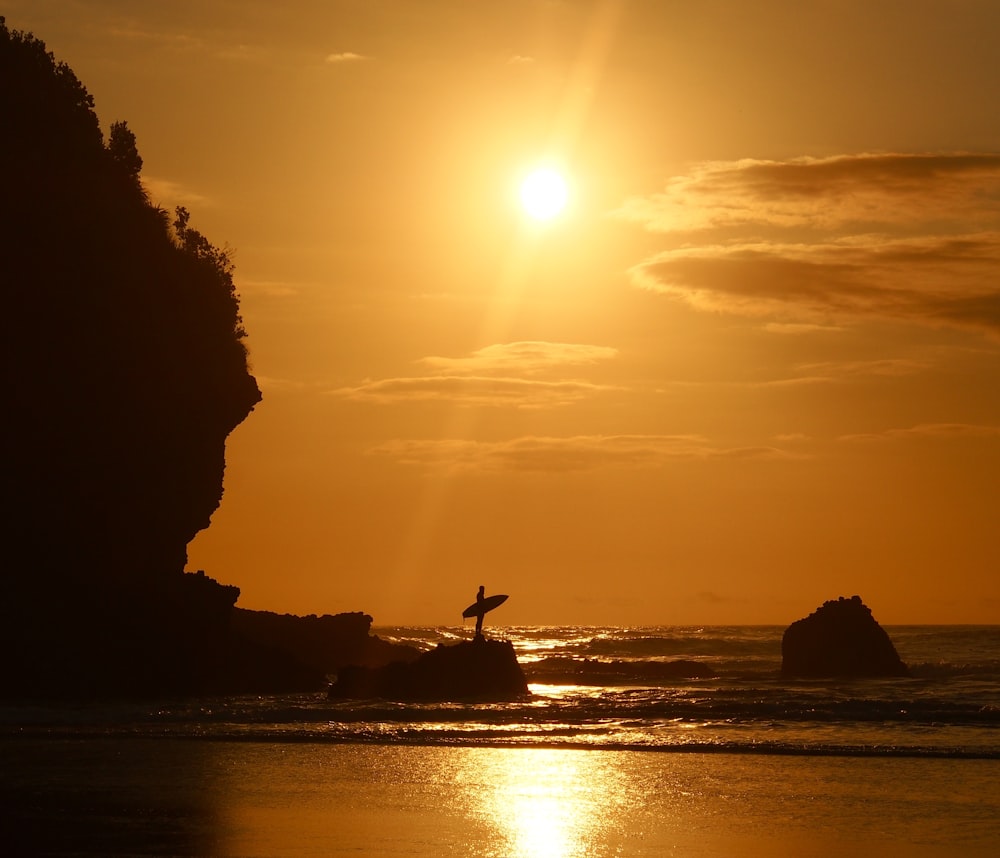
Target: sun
x,y
544,193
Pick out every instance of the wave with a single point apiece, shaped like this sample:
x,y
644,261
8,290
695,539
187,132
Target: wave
x,y
571,670
801,720
575,671
562,737
986,671
716,645
547,706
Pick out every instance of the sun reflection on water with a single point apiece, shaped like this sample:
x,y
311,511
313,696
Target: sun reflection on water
x,y
545,803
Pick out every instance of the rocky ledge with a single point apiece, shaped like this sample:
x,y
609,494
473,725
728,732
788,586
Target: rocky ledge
x,y
479,669
839,639
325,643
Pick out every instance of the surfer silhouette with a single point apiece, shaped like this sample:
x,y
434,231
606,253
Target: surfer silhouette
x,y
480,613
481,607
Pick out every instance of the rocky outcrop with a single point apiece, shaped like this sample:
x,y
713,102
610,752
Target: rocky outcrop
x,y
325,644
839,639
479,669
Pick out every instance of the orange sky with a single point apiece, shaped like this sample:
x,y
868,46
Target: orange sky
x,y
753,366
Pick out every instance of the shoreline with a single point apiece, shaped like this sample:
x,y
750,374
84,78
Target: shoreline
x,y
691,748
131,796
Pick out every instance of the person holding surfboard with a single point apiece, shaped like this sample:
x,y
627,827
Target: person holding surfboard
x,y
481,607
480,613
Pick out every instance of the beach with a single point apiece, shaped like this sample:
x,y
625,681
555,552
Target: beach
x,y
147,796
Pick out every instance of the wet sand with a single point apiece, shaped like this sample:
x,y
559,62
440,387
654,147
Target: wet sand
x,y
143,797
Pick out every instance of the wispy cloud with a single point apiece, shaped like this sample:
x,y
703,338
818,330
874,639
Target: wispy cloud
x,y
910,238
473,390
714,598
167,193
344,57
938,431
176,41
271,288
528,357
855,368
273,384
499,375
567,454
832,372
221,47
798,328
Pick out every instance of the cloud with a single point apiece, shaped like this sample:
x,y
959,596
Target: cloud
x,y
832,372
273,384
176,41
473,390
855,368
500,375
345,57
270,288
519,60
823,192
181,42
567,454
935,431
813,243
167,193
529,357
796,328
719,599
940,281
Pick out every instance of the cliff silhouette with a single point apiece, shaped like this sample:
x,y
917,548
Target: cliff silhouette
x,y
123,372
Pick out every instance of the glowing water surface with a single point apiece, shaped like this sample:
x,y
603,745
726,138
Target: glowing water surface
x,y
118,796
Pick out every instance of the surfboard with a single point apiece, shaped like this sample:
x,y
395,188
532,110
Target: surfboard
x,y
485,606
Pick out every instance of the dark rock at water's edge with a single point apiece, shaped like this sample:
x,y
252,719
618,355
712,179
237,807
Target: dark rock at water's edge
x,y
181,637
839,639
590,671
93,638
480,669
325,644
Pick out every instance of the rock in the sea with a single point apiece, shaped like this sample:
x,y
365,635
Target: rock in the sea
x,y
479,669
839,639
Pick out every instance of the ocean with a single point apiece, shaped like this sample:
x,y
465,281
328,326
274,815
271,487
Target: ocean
x,y
612,755
614,688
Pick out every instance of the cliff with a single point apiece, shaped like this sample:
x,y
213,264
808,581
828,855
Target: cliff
x,y
123,371
839,639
